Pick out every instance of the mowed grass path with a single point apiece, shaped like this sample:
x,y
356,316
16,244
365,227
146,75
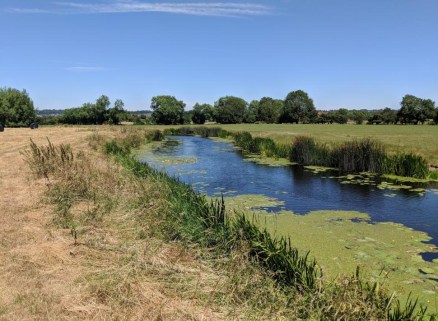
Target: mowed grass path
x,y
398,138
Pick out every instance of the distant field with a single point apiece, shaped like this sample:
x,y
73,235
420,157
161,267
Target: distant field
x,y
419,139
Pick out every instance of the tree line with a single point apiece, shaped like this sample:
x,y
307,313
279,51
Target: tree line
x,y
297,107
17,110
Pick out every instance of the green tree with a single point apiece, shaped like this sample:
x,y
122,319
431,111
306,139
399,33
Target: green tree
x,y
427,110
298,107
388,116
341,116
99,110
269,110
415,110
116,113
201,113
359,116
167,110
250,116
230,110
16,107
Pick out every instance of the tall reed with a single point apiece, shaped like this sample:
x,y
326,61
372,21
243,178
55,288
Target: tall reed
x,y
306,151
365,155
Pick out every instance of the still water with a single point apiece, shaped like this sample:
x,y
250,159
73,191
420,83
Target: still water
x,y
216,168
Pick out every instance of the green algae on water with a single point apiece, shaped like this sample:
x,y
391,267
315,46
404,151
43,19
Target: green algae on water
x,y
342,240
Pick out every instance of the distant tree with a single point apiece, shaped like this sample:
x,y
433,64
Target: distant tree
x,y
341,116
167,110
16,107
187,117
415,110
116,113
298,107
427,110
388,116
269,110
230,110
250,116
99,110
359,116
202,113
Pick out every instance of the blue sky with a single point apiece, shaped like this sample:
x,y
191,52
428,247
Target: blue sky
x,y
343,53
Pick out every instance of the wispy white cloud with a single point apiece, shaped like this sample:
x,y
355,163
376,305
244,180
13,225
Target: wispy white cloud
x,y
28,10
85,69
187,8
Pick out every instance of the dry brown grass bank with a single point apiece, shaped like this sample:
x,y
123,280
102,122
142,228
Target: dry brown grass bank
x,y
109,275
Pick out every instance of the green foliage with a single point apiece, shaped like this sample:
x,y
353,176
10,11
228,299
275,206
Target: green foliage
x,y
94,114
269,110
16,108
230,110
298,108
48,120
365,155
433,175
116,113
199,131
359,116
406,164
415,110
202,113
306,151
167,110
154,136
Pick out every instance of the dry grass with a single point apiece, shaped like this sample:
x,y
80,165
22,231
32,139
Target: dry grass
x,y
112,273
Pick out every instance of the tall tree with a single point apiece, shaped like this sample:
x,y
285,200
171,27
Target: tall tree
x,y
16,107
414,110
250,116
269,110
230,110
388,116
99,110
116,113
201,113
298,107
167,110
427,110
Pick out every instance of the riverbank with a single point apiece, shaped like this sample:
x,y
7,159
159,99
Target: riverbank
x,y
96,244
